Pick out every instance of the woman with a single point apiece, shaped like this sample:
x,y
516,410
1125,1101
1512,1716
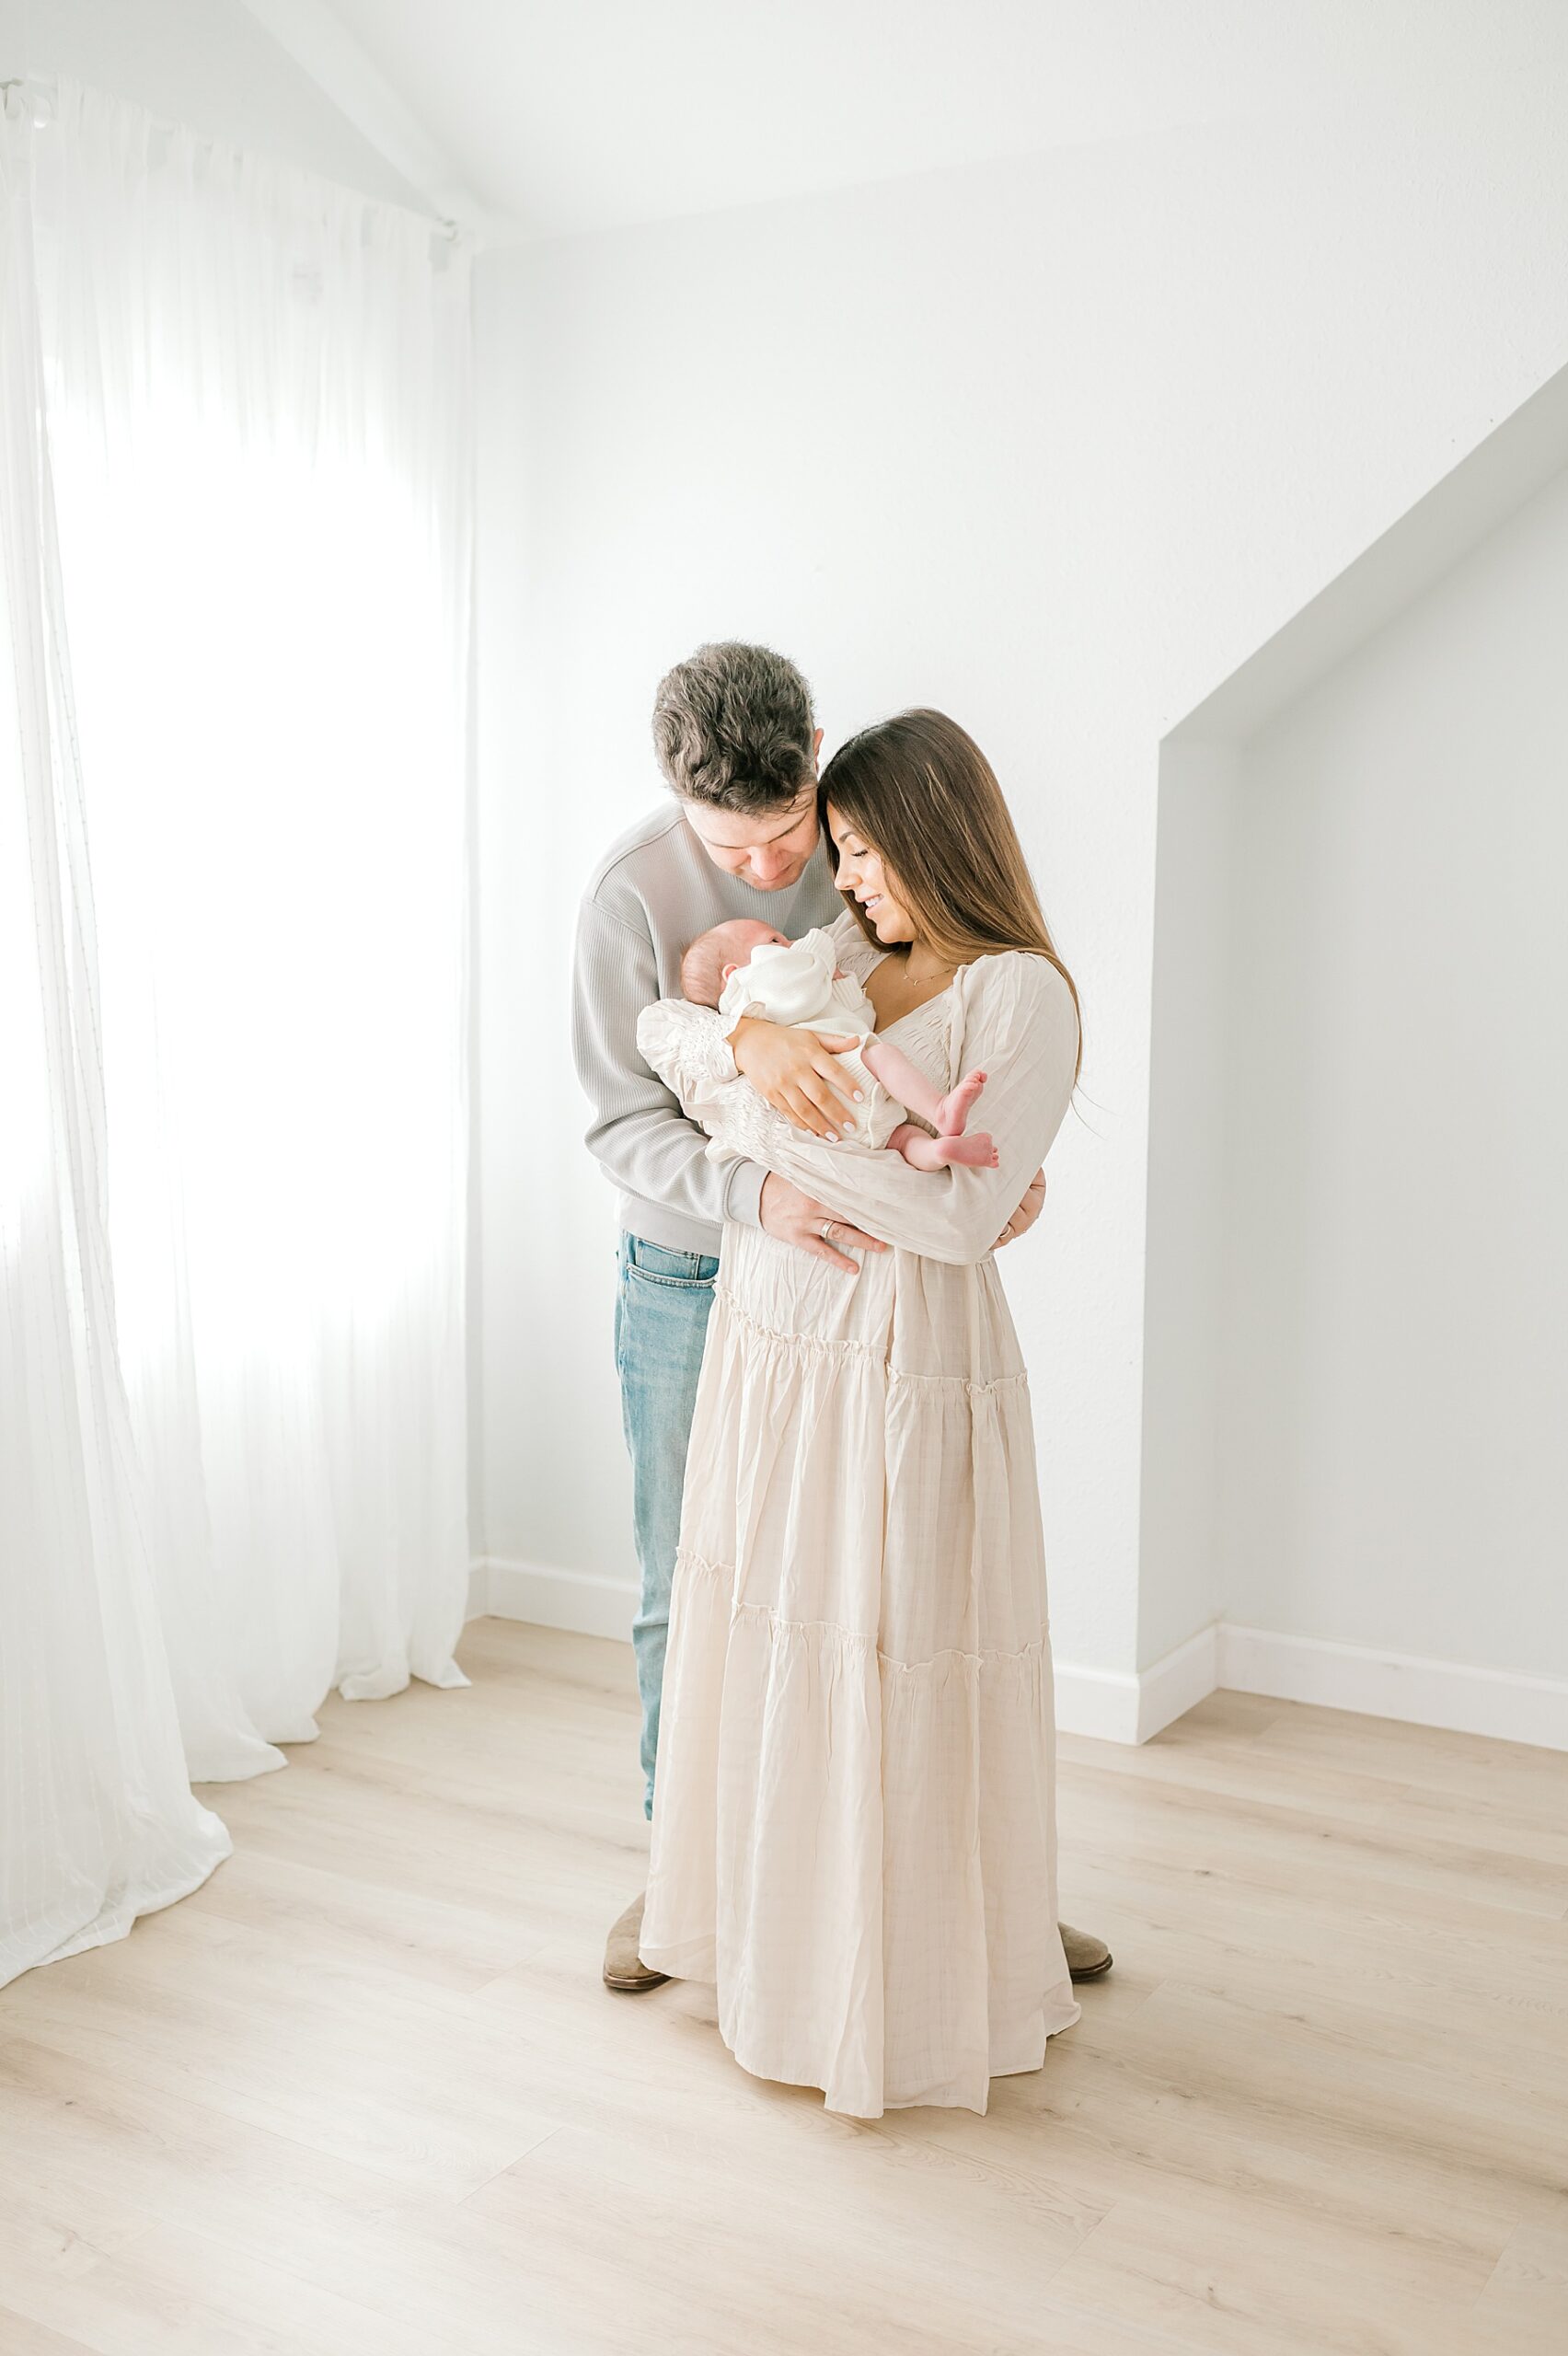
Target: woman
x,y
854,1824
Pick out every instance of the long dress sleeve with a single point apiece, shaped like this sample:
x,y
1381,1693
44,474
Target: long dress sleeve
x,y
1013,1017
687,1047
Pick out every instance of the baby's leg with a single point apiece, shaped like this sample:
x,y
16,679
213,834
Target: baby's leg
x,y
905,1080
924,1152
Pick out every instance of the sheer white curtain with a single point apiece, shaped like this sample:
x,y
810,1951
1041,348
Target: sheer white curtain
x,y
254,389
97,1822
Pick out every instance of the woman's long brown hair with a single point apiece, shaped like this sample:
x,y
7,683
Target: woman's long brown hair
x,y
923,794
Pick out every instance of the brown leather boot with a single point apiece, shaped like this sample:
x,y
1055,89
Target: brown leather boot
x,y
1088,1957
624,1968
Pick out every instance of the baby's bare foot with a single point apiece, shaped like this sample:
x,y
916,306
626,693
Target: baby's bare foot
x,y
952,1112
976,1150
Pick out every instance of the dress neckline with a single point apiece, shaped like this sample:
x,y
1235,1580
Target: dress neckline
x,y
919,1007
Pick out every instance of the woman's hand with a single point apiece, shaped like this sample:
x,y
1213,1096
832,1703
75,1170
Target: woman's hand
x,y
1027,1211
795,1072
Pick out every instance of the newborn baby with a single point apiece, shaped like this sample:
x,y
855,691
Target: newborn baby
x,y
746,967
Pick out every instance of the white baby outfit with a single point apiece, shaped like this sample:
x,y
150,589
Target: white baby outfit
x,y
796,985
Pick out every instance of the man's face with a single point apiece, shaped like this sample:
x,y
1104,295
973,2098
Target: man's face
x,y
768,850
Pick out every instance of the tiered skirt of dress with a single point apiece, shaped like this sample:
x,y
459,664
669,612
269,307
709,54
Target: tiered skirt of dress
x,y
854,1812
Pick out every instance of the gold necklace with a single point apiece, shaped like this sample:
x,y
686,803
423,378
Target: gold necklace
x,y
900,1002
917,979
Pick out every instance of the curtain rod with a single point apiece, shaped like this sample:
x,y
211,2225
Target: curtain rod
x,y
42,89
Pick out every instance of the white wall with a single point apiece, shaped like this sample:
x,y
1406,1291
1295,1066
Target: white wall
x,y
206,62
1391,1471
1180,1591
1053,444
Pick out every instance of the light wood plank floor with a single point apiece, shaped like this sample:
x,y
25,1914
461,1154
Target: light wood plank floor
x,y
365,2095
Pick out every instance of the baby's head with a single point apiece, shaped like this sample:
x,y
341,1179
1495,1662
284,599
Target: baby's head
x,y
714,955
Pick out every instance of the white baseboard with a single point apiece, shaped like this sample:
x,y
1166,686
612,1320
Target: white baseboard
x,y
1101,1701
1122,1706
1451,1694
1177,1682
1126,1705
581,1601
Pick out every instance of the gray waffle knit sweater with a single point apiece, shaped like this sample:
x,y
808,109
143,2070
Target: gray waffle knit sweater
x,y
654,890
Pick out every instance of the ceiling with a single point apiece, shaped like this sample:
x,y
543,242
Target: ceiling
x,y
590,114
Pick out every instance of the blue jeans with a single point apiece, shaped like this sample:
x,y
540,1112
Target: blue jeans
x,y
663,1298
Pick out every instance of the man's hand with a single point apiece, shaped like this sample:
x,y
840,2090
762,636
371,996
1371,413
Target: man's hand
x,y
795,1072
1027,1211
794,1218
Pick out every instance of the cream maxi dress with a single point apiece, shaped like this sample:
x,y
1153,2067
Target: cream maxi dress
x,y
853,1836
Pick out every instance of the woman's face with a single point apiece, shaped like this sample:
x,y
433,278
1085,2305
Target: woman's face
x,y
861,871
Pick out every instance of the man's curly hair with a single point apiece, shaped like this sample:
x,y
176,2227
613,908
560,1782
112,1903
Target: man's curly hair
x,y
733,727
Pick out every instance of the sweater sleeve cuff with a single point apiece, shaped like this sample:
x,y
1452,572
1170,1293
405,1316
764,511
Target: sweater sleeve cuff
x,y
742,1196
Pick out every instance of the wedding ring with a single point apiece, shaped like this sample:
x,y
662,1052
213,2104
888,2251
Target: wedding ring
x,y
823,1229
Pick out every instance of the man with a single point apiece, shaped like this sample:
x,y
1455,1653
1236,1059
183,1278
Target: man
x,y
739,747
